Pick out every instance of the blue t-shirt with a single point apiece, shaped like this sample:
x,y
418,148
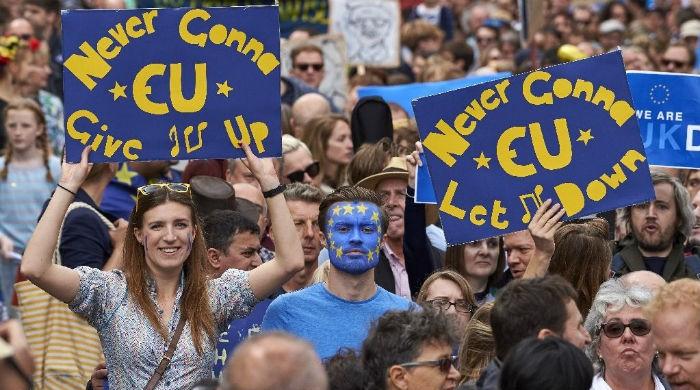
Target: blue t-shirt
x,y
327,321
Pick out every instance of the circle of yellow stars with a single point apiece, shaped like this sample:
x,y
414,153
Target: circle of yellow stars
x,y
119,91
349,210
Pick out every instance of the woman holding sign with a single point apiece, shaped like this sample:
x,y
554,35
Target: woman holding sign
x,y
161,308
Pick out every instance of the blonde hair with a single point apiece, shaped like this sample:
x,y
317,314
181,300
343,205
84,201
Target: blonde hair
x,y
321,273
478,346
677,294
42,141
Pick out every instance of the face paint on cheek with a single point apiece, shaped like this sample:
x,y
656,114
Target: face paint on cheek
x,y
354,235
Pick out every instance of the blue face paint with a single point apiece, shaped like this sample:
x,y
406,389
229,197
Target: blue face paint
x,y
353,236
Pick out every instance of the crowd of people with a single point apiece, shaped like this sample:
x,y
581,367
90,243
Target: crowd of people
x,y
318,270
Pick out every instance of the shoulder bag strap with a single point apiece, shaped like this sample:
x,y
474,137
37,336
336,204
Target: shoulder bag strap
x,y
155,378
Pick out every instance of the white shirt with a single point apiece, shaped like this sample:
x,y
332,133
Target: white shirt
x,y
600,384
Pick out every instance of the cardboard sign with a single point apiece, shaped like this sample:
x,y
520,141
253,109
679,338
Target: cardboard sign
x,y
404,94
667,110
335,81
370,29
171,84
496,151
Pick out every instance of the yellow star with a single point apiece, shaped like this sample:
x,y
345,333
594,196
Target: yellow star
x,y
336,210
348,209
330,222
223,88
124,175
330,235
332,244
482,161
585,136
361,208
369,255
338,252
375,216
118,91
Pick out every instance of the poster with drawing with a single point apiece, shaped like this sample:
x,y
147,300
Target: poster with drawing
x,y
370,28
335,80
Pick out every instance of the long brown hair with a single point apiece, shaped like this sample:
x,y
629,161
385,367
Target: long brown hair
x,y
42,141
582,256
454,260
195,304
316,135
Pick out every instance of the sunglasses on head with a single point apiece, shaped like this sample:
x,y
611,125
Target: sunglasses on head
x,y
615,328
312,170
149,189
444,364
305,67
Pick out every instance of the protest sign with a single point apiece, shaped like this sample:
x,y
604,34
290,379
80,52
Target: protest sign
x,y
335,79
496,151
294,14
370,29
423,185
667,110
172,84
404,94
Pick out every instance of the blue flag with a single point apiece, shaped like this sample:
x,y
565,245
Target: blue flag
x,y
172,84
667,110
496,151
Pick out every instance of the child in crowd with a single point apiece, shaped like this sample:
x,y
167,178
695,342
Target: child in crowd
x,y
28,175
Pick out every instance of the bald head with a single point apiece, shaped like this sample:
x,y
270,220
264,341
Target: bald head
x,y
307,107
253,195
20,27
274,361
646,279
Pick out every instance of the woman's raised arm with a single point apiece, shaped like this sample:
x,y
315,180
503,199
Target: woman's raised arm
x,y
37,265
289,257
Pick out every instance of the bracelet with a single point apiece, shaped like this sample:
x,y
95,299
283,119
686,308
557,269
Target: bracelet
x,y
275,191
71,192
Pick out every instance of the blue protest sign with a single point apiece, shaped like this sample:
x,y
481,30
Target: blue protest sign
x,y
404,94
667,110
171,84
424,186
496,151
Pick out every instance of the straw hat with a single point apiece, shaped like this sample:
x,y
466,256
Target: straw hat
x,y
397,169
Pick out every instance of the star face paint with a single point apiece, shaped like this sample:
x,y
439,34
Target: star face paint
x,y
353,236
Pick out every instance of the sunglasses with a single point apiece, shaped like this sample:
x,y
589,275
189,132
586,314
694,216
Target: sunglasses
x,y
305,67
149,189
615,328
444,364
677,64
461,306
312,170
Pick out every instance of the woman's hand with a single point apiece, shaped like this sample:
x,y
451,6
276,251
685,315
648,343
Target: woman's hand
x,y
73,175
262,168
544,224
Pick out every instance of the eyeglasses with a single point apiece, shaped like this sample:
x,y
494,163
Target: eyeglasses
x,y
615,328
444,364
485,39
305,67
312,170
676,63
461,306
149,189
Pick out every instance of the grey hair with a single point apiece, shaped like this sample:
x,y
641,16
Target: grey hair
x,y
680,193
291,144
303,192
613,296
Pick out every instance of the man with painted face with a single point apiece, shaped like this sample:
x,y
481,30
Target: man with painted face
x,y
339,313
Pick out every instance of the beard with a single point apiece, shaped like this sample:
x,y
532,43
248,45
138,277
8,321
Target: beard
x,y
656,242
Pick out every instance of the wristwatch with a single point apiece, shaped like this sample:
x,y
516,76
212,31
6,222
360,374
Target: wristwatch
x,y
275,191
